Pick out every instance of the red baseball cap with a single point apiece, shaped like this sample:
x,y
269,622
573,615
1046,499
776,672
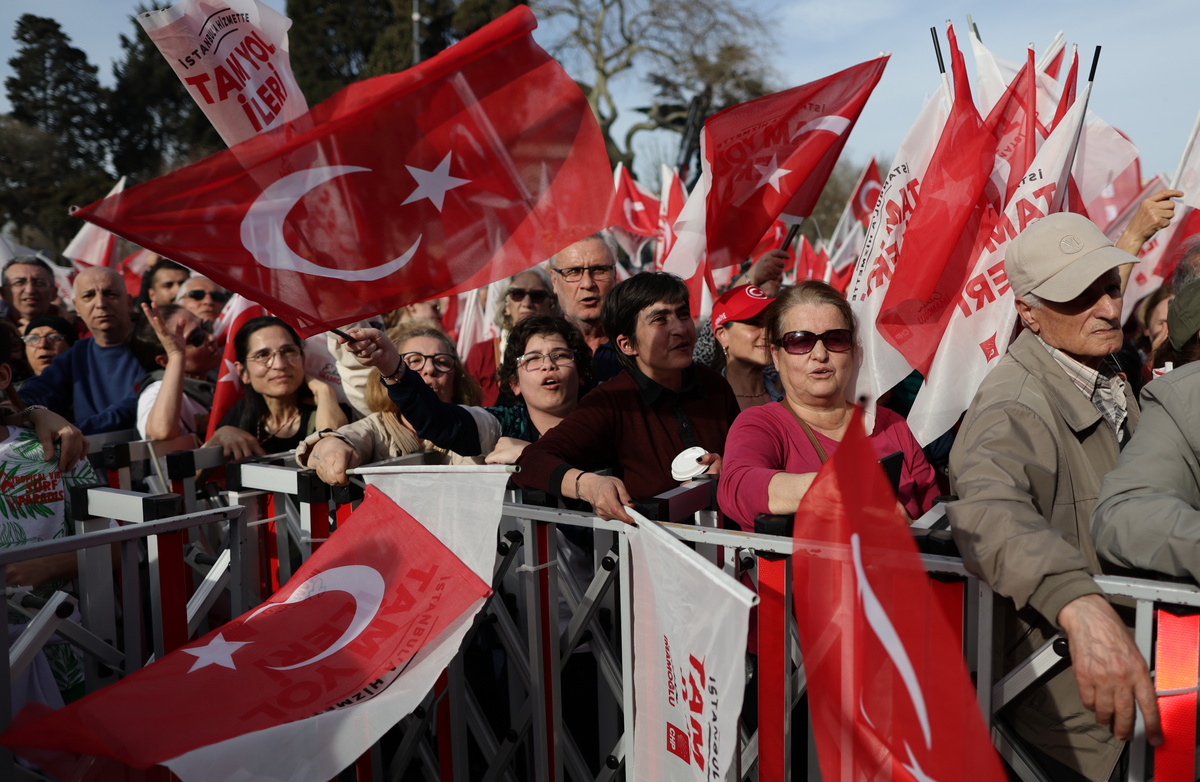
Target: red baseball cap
x,y
744,302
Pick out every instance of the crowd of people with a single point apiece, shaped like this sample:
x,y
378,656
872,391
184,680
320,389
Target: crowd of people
x,y
595,386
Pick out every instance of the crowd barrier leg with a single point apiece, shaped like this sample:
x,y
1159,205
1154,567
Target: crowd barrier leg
x,y
541,601
1143,636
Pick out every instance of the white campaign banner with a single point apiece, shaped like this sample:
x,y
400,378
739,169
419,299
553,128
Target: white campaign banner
x,y
232,57
462,507
690,621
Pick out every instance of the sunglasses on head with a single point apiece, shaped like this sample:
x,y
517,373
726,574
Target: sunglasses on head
x,y
798,343
535,296
220,297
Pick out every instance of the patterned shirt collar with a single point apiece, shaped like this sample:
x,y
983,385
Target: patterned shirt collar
x,y
1104,387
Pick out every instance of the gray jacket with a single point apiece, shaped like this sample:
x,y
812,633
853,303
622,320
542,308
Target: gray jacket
x,y
1149,512
1027,466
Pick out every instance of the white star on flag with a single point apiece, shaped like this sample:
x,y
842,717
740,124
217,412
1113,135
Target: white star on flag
x,y
230,374
771,173
434,184
217,652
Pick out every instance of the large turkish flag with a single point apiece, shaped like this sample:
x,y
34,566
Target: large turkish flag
x,y
340,633
468,168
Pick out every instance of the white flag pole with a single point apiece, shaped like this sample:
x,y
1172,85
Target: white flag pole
x,y
1187,151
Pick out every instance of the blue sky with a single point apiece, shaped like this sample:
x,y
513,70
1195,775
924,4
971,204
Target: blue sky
x,y
1146,84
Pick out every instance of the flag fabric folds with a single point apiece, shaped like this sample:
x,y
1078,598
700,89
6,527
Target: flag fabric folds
x,y
238,312
232,58
466,169
93,246
670,205
689,651
889,693
343,628
766,158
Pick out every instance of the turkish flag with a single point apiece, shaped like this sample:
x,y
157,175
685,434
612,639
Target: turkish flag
x,y
670,205
889,692
338,634
866,194
937,253
463,170
235,314
133,266
764,159
93,246
634,208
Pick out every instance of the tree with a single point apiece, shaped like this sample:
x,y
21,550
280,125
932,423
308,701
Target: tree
x,y
331,42
155,124
684,49
54,88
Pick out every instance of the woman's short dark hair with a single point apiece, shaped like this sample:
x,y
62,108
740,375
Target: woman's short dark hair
x,y
255,408
145,344
544,326
807,292
629,297
56,322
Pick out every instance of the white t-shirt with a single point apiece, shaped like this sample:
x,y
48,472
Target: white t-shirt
x,y
193,416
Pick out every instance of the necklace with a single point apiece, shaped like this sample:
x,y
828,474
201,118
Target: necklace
x,y
263,427
751,396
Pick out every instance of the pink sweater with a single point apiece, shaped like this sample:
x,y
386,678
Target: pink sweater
x,y
767,440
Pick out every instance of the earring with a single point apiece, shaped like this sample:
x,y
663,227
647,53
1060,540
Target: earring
x,y
726,349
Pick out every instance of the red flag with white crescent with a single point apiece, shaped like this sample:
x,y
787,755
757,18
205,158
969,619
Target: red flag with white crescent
x,y
889,692
236,313
339,633
634,208
398,189
670,205
765,159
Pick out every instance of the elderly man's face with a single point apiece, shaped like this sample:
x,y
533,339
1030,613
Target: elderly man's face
x,y
1088,327
103,303
582,298
29,289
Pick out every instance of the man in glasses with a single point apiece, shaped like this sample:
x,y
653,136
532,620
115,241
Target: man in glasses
x,y
91,384
202,297
28,289
1045,426
583,273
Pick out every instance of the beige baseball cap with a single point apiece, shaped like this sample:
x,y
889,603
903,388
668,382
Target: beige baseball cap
x,y
1057,257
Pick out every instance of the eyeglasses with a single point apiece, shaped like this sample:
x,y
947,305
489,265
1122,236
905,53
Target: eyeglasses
x,y
289,353
49,339
531,362
36,282
220,297
799,343
575,273
442,362
535,296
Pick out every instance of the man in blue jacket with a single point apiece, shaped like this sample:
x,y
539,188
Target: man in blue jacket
x,y
92,383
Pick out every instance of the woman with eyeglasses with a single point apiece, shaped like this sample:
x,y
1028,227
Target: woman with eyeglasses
x,y
773,451
45,338
178,352
525,294
426,355
280,406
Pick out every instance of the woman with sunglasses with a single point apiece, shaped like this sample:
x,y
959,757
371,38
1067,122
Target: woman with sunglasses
x,y
525,294
177,351
202,297
774,451
426,354
273,414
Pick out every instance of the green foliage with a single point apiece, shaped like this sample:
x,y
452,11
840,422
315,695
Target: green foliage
x,y
331,42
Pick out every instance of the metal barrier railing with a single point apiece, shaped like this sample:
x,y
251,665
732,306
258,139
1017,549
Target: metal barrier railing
x,y
532,737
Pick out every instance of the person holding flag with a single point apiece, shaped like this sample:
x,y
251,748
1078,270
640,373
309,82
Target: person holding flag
x,y
1045,426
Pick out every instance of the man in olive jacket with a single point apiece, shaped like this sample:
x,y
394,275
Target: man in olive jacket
x,y
1045,426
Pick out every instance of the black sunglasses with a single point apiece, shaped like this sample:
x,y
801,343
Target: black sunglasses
x,y
798,343
535,296
197,337
220,297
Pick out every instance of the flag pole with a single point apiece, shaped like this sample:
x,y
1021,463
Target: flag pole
x,y
790,236
937,49
974,28
1187,150
1060,193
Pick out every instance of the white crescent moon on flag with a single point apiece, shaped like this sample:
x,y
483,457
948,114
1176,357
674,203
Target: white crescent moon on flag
x,y
832,122
878,619
864,196
262,228
362,583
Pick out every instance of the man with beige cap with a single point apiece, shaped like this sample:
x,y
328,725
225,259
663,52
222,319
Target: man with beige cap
x,y
1045,426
